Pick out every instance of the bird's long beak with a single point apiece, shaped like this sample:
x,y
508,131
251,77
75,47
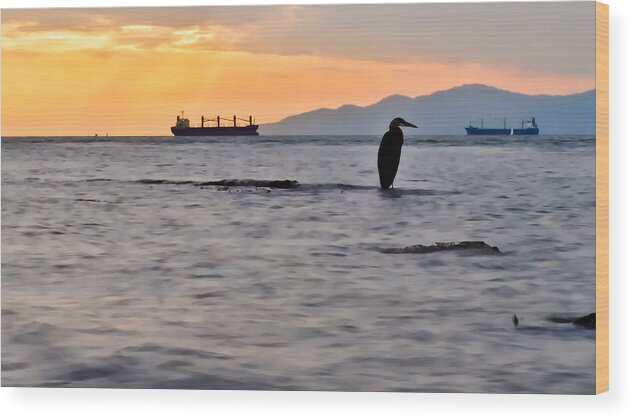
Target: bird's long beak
x,y
406,124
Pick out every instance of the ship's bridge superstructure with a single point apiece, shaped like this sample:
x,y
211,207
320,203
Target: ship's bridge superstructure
x,y
181,121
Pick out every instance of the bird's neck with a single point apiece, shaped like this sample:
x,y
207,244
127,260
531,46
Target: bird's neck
x,y
395,129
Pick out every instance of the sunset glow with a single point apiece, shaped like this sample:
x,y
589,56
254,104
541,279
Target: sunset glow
x,y
86,71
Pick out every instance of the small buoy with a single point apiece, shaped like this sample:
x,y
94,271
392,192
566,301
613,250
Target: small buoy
x,y
515,320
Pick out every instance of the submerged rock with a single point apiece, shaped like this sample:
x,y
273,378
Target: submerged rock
x,y
589,321
445,246
157,181
278,183
223,184
586,321
89,200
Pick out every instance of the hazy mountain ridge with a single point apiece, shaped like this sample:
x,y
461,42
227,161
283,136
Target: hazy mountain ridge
x,y
448,112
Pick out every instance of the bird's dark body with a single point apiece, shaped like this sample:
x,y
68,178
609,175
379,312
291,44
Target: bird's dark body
x,y
389,156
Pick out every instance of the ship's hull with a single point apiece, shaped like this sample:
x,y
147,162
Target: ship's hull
x,y
475,131
250,130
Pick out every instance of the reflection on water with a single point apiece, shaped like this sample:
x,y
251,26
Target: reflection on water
x,y
125,282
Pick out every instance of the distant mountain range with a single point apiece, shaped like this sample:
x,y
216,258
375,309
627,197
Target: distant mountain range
x,y
448,112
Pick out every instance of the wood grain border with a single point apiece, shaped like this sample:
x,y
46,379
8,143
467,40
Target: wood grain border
x,y
602,196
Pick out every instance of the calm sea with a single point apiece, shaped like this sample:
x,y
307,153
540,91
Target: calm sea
x,y
112,279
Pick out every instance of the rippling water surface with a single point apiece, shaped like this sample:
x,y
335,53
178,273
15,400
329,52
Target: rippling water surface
x,y
111,279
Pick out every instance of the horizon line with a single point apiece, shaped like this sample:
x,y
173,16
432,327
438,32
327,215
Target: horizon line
x,y
456,87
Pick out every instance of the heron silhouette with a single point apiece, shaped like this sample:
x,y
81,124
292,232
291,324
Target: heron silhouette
x,y
390,152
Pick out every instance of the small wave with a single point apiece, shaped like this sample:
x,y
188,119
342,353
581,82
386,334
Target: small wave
x,y
502,291
472,246
174,364
175,351
393,192
336,186
399,192
198,380
35,333
83,372
6,367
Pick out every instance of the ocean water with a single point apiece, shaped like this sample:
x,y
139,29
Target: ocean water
x,y
112,278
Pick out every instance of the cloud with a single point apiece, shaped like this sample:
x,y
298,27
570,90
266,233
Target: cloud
x,y
100,19
541,37
548,37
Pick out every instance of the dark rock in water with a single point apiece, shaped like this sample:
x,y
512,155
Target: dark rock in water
x,y
208,295
223,183
445,246
163,181
89,200
280,183
587,321
98,180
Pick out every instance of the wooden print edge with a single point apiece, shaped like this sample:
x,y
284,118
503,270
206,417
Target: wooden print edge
x,y
602,197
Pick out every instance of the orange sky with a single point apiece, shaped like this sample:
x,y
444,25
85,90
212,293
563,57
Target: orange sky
x,y
129,77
